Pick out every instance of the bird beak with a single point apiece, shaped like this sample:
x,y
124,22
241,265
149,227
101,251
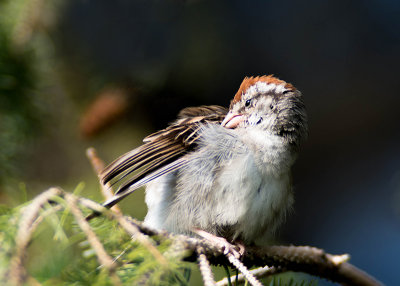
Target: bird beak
x,y
232,120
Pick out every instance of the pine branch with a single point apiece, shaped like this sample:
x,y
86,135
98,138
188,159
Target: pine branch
x,y
301,258
104,259
180,248
292,258
306,259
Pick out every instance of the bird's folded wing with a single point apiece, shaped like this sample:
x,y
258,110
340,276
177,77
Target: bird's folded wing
x,y
162,152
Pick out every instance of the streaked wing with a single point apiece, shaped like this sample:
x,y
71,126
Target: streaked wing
x,y
161,152
192,115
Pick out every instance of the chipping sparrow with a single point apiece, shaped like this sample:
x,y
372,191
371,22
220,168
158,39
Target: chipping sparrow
x,y
223,172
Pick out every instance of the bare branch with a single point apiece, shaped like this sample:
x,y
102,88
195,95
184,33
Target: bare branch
x,y
205,268
98,166
293,258
310,260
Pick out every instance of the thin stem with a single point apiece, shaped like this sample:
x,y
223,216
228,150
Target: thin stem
x,y
228,275
258,272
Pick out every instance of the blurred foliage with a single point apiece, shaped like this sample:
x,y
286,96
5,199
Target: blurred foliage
x,y
8,230
20,106
278,281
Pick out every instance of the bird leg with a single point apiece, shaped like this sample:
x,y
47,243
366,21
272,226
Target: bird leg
x,y
237,249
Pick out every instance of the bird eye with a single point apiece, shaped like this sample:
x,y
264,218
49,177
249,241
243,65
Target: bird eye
x,y
247,103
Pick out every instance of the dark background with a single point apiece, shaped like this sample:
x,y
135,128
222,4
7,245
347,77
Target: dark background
x,y
165,55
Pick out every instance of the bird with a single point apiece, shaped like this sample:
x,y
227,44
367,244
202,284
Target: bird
x,y
221,171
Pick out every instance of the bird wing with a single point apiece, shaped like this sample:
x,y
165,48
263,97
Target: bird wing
x,y
162,151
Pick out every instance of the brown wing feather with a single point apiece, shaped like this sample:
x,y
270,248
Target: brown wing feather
x,y
191,115
161,151
204,110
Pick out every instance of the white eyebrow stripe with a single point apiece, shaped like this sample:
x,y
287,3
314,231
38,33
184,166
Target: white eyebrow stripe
x,y
263,87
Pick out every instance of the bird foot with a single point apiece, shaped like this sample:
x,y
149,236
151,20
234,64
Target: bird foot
x,y
237,249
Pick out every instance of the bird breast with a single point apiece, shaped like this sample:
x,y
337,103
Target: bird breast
x,y
224,189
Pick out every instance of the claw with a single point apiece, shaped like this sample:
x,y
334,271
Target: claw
x,y
236,250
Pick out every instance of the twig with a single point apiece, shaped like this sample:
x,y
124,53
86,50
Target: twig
x,y
348,272
310,260
258,272
140,237
44,214
27,225
98,166
104,259
205,268
131,228
243,269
